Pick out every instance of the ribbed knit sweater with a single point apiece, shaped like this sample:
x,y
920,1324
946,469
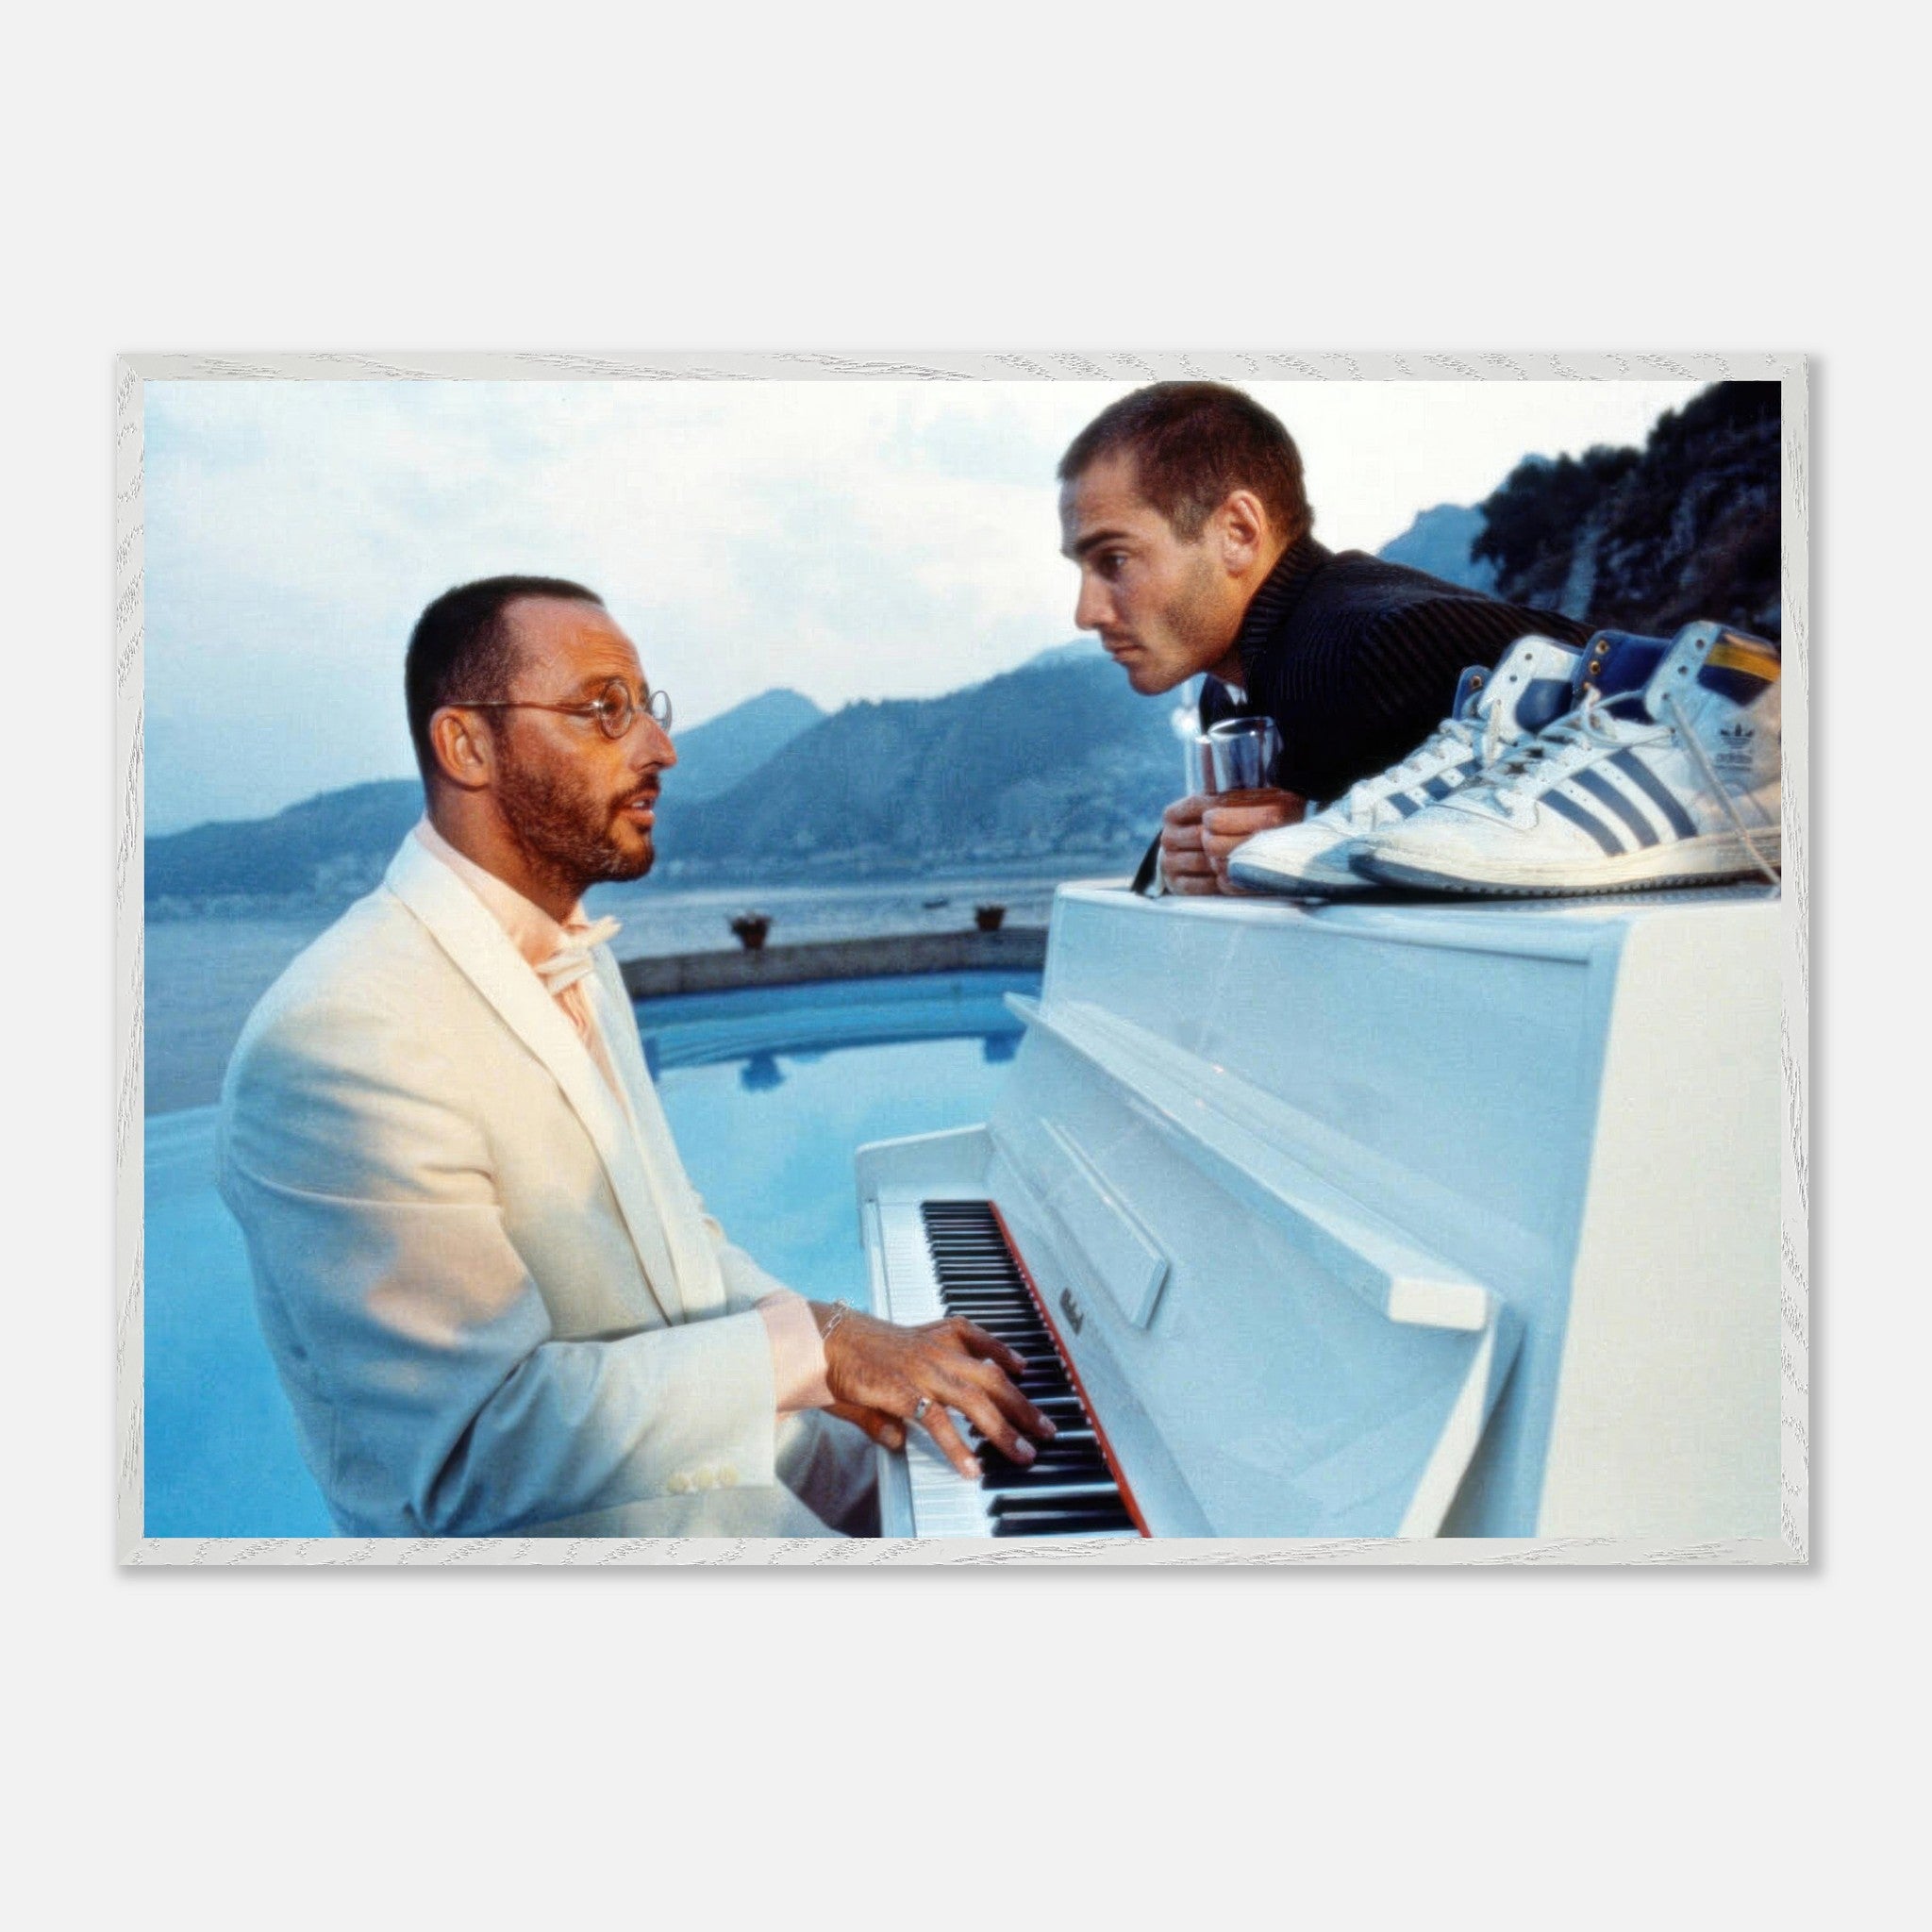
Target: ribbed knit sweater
x,y
1356,660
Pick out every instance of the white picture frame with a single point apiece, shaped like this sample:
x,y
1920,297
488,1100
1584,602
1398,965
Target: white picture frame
x,y
135,1547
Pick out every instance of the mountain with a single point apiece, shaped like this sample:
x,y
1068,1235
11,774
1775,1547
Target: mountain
x,y
1649,540
1058,758
1079,651
1440,541
717,755
334,846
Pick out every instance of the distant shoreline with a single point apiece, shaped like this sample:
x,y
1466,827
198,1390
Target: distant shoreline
x,y
699,876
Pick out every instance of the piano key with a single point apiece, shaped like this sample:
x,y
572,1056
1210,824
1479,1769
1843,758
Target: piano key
x,y
1050,1480
1014,1508
1045,1454
945,1259
1068,1523
1063,1442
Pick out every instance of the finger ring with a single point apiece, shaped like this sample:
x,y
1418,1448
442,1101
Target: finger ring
x,y
919,1412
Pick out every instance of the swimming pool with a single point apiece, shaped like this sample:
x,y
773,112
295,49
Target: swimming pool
x,y
769,1093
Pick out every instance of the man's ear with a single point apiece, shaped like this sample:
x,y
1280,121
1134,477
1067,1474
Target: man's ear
x,y
1242,524
465,751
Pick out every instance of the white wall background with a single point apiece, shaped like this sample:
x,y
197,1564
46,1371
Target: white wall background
x,y
1369,1748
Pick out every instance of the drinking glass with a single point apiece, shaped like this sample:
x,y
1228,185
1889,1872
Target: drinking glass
x,y
1242,755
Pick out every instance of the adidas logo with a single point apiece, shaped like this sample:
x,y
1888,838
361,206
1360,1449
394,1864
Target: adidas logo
x,y
1733,749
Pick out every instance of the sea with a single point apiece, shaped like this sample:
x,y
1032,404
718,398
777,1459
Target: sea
x,y
205,973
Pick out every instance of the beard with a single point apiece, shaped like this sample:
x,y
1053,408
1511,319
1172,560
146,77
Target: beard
x,y
567,832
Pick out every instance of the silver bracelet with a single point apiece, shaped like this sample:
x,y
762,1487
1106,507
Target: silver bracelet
x,y
838,1314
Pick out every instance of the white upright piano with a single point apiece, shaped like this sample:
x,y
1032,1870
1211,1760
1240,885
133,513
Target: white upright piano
x,y
1368,1219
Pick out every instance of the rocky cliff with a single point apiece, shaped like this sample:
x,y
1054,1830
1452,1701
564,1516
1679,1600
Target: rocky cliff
x,y
1652,538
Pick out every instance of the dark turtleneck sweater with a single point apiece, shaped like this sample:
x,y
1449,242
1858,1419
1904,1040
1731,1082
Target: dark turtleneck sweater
x,y
1356,660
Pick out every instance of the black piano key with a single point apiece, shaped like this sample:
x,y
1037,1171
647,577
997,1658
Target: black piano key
x,y
1001,1472
1089,1473
1073,1493
1045,1375
1055,1449
1054,1506
1047,1455
1030,1509
1066,1522
1068,1488
1075,1432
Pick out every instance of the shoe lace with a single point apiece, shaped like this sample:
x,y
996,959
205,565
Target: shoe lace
x,y
1539,759
1360,801
1723,791
1531,760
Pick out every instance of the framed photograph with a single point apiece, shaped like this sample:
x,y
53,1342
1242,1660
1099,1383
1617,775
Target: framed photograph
x,y
1261,895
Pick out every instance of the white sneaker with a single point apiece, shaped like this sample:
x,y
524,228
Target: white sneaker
x,y
1536,682
1666,773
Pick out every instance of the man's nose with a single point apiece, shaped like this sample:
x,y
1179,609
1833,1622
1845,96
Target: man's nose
x,y
1090,608
651,743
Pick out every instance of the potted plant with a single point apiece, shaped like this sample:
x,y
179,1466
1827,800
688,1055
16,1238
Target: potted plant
x,y
751,928
987,918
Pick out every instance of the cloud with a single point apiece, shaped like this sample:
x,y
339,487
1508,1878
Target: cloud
x,y
848,539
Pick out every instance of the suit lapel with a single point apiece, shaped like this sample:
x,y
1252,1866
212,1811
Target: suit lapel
x,y
463,927
700,1282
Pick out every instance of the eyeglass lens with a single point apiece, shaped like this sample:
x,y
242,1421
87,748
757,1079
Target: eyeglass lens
x,y
617,710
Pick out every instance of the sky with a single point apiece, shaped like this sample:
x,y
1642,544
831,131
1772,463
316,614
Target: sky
x,y
846,539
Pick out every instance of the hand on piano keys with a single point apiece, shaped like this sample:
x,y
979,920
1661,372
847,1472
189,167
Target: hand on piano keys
x,y
945,1365
952,1258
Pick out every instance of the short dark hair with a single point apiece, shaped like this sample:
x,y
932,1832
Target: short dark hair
x,y
461,648
1193,443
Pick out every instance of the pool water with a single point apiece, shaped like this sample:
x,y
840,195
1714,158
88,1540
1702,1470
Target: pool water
x,y
769,1094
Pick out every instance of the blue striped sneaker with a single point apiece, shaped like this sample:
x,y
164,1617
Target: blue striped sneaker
x,y
1666,773
1536,682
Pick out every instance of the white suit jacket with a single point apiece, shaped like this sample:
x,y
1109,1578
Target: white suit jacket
x,y
497,1307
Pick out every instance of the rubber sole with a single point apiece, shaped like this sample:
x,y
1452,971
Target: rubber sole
x,y
1636,871
1258,880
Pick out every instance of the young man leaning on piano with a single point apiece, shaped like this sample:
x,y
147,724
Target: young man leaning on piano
x,y
492,1295
1183,506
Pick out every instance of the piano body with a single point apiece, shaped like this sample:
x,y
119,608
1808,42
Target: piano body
x,y
1369,1220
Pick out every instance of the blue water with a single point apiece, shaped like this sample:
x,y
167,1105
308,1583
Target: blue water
x,y
769,1093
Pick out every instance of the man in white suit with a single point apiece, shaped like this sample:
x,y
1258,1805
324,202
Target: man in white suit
x,y
494,1299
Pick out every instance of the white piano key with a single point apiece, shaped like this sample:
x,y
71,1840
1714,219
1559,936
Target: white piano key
x,y
907,1291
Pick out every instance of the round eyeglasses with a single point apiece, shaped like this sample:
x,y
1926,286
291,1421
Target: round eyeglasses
x,y
614,708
